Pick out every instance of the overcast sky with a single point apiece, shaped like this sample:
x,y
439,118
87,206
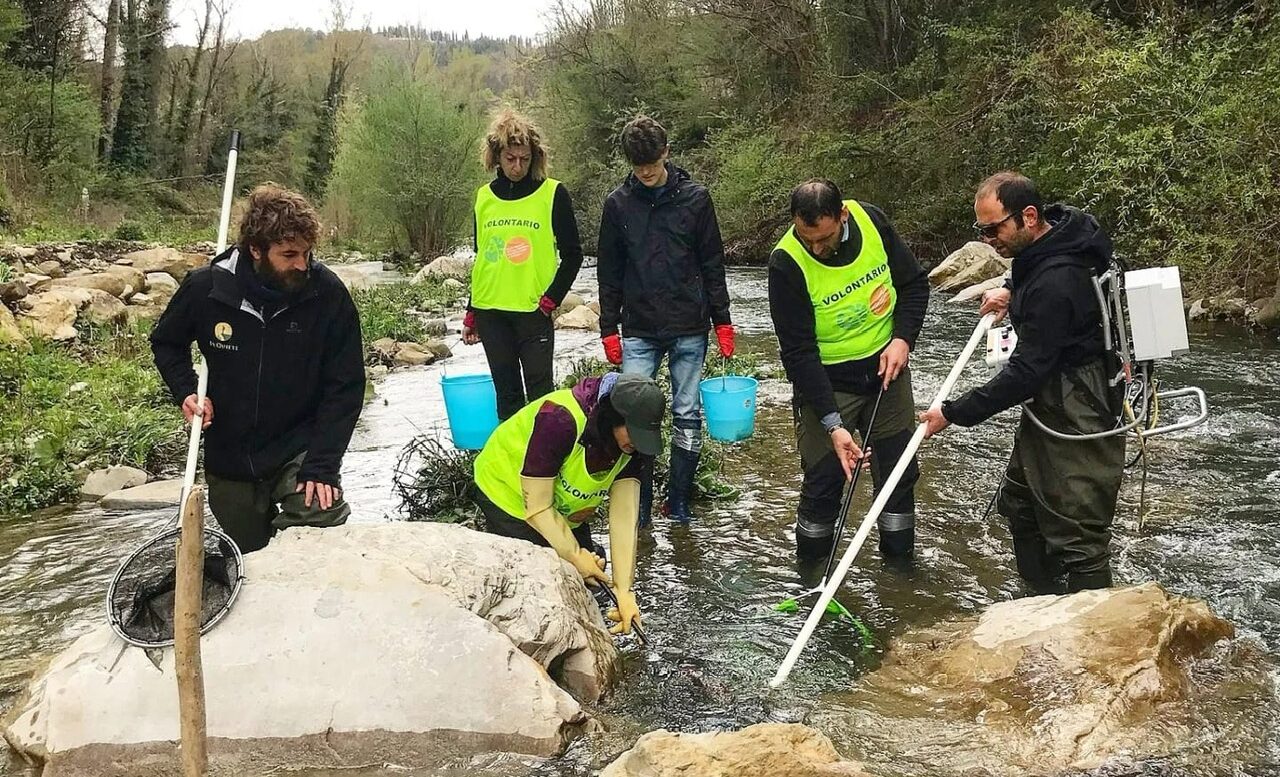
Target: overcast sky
x,y
250,18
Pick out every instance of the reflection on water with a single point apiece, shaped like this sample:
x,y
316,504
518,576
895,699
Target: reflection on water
x,y
707,590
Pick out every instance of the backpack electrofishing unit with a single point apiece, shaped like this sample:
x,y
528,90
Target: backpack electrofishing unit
x,y
1142,322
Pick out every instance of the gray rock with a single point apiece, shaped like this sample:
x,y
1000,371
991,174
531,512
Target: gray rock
x,y
438,349
106,481
405,643
10,333
435,327
453,283
385,348
773,749
579,318
151,496
51,268
974,293
412,355
570,302
977,265
445,267
36,283
166,260
12,291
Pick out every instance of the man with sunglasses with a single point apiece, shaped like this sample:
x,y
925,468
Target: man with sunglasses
x,y
1058,495
848,300
281,338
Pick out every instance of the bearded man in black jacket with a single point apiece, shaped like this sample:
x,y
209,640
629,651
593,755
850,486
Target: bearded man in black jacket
x,y
281,338
1058,495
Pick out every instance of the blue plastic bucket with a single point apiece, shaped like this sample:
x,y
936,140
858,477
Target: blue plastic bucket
x,y
729,404
472,406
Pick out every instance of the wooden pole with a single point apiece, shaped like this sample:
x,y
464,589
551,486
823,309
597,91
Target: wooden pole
x,y
187,606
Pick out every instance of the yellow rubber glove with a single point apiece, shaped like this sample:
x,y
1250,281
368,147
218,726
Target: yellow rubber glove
x,y
624,512
542,516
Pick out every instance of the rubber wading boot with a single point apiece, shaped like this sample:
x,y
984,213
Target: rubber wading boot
x,y
646,497
1041,572
897,535
684,467
812,548
1084,581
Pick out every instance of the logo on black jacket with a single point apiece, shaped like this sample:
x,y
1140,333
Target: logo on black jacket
x,y
293,328
222,331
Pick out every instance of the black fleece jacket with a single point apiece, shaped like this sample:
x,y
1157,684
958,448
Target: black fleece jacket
x,y
793,318
282,381
564,226
1053,309
661,263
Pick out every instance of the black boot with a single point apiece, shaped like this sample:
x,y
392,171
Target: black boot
x,y
813,548
1084,581
680,477
1041,572
646,494
897,535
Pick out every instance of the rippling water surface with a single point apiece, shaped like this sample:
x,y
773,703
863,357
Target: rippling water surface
x,y
707,591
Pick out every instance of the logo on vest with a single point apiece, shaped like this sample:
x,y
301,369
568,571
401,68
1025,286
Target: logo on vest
x,y
222,331
852,318
518,249
880,300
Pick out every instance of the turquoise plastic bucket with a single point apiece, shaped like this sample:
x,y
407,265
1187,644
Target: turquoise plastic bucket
x,y
729,404
472,406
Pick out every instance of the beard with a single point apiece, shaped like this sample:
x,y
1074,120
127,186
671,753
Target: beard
x,y
289,281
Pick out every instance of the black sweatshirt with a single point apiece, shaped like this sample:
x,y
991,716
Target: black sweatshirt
x,y
564,226
793,319
281,381
1055,311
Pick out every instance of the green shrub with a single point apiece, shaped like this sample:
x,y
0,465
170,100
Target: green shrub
x,y
130,230
391,310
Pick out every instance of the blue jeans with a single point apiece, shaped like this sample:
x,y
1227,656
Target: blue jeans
x,y
687,354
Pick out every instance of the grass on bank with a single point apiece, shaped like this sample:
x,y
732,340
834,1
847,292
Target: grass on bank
x,y
68,408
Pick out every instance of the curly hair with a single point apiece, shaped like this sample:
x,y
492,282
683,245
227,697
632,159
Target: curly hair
x,y
514,129
643,140
276,214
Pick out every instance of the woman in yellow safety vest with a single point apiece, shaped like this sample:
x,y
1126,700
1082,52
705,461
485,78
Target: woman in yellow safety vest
x,y
545,471
527,256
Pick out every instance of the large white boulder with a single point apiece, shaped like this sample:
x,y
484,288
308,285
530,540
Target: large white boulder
x,y
1044,685
118,281
971,263
398,644
974,293
773,749
53,314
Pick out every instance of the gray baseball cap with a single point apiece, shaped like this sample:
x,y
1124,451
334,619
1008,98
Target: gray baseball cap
x,y
641,404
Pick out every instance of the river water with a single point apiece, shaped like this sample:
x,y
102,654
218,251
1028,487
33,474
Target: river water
x,y
707,591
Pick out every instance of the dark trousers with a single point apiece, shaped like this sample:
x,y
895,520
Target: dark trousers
x,y
824,482
518,347
500,522
251,512
1060,495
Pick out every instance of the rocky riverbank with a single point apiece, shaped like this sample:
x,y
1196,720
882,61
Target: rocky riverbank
x,y
974,268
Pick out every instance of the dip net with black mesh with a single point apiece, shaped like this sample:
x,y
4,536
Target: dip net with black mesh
x,y
140,602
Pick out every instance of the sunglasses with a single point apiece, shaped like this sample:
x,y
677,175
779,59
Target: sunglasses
x,y
990,230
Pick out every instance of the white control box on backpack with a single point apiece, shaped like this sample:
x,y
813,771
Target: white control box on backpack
x,y
1001,341
1158,325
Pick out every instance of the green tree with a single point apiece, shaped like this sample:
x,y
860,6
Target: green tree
x,y
407,166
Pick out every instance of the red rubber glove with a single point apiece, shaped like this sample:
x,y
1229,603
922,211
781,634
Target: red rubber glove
x,y
612,348
469,320
724,334
546,304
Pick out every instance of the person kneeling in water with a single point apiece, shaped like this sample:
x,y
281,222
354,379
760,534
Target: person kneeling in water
x,y
545,470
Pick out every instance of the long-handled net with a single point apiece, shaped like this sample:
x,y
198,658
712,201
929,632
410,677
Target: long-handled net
x,y
140,601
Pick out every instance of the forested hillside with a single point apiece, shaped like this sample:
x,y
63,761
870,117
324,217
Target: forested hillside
x,y
1155,114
